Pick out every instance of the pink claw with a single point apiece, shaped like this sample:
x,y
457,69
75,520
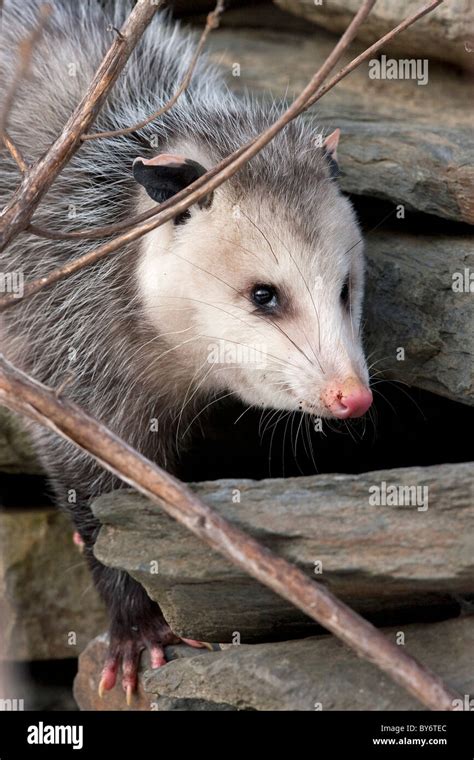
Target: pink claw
x,y
109,676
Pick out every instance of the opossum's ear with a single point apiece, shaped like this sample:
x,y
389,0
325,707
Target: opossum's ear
x,y
330,150
166,174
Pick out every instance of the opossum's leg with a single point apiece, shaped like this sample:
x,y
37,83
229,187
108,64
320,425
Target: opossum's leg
x,y
136,624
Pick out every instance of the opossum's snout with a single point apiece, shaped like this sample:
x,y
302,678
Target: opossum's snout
x,y
349,398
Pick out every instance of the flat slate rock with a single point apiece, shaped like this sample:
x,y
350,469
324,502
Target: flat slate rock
x,y
318,673
378,558
446,33
49,608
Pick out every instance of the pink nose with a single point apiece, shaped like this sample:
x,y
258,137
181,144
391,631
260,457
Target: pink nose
x,y
347,399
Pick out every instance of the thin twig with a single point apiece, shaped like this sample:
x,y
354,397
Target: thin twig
x,y
192,195
227,168
260,141
18,212
112,229
25,53
39,177
212,22
27,396
14,152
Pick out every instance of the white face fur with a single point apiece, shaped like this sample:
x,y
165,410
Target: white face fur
x,y
299,348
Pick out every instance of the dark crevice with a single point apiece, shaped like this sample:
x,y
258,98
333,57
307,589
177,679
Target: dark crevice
x,y
412,428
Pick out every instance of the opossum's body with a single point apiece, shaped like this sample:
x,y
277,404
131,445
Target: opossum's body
x,y
131,335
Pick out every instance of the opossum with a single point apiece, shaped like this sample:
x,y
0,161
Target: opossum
x,y
256,292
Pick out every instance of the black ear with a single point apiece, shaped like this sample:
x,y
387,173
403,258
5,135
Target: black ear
x,y
330,151
166,174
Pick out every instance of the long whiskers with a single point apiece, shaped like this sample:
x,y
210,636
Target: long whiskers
x,y
305,282
214,401
227,340
293,343
254,224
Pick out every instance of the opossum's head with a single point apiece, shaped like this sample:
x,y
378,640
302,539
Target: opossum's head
x,y
257,291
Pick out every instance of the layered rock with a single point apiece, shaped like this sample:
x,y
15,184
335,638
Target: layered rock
x,y
16,453
419,309
312,674
364,536
318,673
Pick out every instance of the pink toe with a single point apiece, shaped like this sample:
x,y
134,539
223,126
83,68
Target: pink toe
x,y
157,656
109,675
130,673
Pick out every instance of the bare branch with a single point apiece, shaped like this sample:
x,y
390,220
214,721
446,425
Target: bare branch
x,y
25,395
14,152
39,178
212,22
111,229
230,165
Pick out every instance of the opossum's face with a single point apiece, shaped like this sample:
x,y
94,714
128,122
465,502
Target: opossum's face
x,y
253,306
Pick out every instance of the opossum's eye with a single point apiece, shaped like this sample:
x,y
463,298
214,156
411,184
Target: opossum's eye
x,y
265,296
345,292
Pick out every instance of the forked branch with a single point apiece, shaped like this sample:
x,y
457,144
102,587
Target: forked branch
x,y
230,165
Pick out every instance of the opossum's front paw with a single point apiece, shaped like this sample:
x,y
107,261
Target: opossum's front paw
x,y
125,650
